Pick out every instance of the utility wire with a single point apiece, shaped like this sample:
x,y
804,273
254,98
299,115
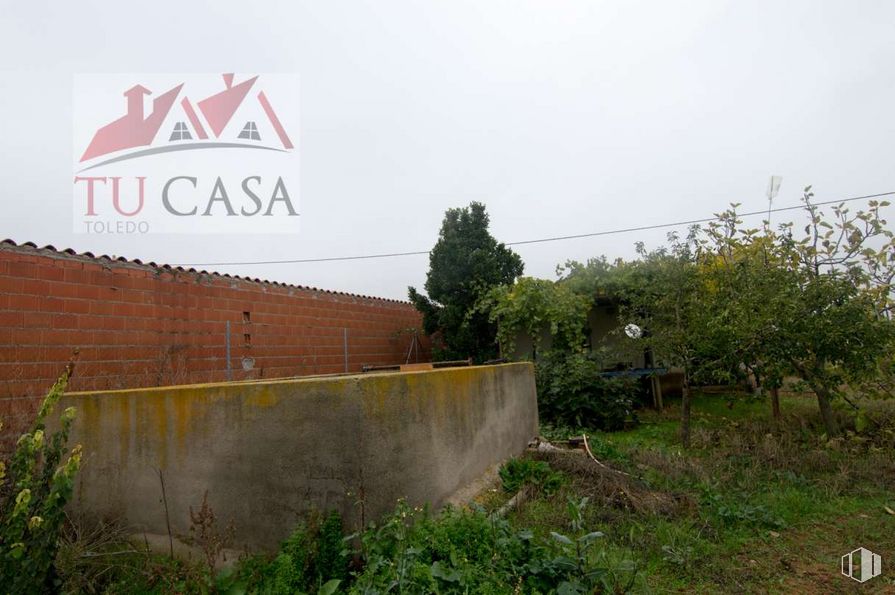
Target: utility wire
x,y
541,240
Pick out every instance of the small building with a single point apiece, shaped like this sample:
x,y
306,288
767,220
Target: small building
x,y
605,332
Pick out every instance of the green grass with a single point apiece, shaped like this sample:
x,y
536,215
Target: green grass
x,y
763,507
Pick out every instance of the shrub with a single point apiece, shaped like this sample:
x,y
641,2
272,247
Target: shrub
x,y
518,472
313,559
572,392
468,551
35,492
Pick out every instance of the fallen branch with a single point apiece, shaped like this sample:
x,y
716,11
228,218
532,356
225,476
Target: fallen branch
x,y
105,554
594,459
512,503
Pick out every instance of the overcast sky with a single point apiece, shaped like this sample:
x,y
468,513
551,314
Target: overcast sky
x,y
563,117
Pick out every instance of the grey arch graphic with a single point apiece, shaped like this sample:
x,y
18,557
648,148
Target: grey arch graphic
x,y
182,147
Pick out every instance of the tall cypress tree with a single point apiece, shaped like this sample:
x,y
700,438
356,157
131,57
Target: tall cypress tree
x,y
465,263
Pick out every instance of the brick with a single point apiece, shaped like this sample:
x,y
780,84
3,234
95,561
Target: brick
x,y
21,270
76,307
37,319
48,272
35,287
24,302
65,321
23,336
88,292
114,323
64,290
12,319
10,285
74,275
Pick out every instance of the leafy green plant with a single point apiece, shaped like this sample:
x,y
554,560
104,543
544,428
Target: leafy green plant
x,y
468,551
518,472
331,562
574,559
732,513
532,307
678,556
571,391
313,559
36,489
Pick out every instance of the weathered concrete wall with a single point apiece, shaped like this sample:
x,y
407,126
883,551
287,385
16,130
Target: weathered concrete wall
x,y
267,451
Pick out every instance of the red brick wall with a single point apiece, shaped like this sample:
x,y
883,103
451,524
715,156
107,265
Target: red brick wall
x,y
139,325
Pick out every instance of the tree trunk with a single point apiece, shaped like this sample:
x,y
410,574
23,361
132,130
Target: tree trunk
x,y
826,411
685,411
812,376
775,403
657,393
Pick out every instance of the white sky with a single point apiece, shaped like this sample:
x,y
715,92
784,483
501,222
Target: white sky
x,y
563,117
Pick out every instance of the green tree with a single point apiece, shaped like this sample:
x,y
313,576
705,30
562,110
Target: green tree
x,y
662,294
745,284
465,264
818,306
532,307
773,303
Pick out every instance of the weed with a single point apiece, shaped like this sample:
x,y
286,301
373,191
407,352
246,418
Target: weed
x,y
38,486
467,551
204,533
519,472
313,559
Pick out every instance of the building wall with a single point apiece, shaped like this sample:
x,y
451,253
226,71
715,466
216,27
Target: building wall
x,y
602,322
268,451
141,325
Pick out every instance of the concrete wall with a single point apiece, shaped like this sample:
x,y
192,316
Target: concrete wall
x,y
142,324
269,451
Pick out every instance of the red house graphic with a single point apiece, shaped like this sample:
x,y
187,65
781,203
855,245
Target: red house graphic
x,y
136,130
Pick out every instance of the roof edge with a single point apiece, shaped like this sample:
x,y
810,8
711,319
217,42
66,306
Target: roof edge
x,y
53,252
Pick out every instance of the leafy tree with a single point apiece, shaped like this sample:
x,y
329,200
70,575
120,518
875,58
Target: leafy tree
x,y
745,284
662,294
533,306
730,299
465,264
818,306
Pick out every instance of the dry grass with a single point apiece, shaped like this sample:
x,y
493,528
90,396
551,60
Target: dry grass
x,y
613,488
92,552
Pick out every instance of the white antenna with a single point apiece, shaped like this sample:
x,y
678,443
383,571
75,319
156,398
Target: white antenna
x,y
773,189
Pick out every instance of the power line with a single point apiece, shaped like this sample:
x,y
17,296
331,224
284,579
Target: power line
x,y
540,240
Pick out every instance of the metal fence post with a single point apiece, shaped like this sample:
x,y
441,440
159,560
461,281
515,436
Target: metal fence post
x,y
229,368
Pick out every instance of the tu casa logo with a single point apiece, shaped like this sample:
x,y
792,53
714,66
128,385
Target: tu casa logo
x,y
186,154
